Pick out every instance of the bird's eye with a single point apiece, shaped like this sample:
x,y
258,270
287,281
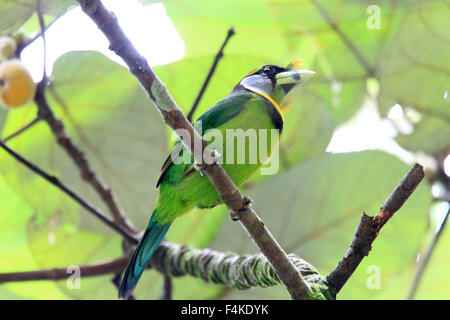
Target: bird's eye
x,y
267,70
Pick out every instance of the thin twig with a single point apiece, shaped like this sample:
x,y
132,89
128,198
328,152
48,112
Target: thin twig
x,y
241,272
23,129
426,258
369,227
87,173
219,56
22,46
55,181
112,266
43,28
174,117
166,292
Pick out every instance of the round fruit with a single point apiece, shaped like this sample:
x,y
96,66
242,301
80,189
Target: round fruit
x,y
16,85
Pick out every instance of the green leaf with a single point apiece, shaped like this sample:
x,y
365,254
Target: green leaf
x,y
430,135
14,251
415,74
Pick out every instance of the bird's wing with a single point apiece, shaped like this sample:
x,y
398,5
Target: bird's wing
x,y
212,118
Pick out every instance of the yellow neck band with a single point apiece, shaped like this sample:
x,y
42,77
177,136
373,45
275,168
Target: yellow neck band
x,y
265,95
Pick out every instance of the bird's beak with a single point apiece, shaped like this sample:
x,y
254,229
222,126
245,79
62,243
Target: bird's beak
x,y
289,79
294,76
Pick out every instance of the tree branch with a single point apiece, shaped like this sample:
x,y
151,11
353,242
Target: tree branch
x,y
219,56
229,269
166,292
57,127
87,173
174,117
369,227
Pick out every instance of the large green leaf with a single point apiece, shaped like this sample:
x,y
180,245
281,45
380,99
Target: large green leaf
x,y
313,211
15,254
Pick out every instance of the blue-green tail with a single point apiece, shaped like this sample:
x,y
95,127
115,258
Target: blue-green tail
x,y
144,250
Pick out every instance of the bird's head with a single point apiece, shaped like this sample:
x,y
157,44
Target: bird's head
x,y
274,81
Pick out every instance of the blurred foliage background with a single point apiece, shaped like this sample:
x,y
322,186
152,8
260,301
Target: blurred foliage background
x,y
312,206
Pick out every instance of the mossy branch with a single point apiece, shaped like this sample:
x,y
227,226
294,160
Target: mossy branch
x,y
228,269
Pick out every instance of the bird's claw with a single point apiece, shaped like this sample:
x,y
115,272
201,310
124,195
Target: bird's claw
x,y
247,204
202,167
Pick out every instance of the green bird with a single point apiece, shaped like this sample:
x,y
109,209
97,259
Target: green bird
x,y
252,104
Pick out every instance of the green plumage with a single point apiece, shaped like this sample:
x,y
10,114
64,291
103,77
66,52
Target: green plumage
x,y
182,187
